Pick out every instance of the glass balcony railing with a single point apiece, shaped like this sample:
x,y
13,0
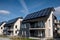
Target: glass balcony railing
x,y
37,26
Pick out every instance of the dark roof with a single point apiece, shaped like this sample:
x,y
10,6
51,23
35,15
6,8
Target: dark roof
x,y
42,13
13,20
2,22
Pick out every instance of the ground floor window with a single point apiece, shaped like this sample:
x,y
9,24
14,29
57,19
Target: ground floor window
x,y
24,33
37,33
16,32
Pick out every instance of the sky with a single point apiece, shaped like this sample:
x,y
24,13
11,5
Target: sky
x,y
10,9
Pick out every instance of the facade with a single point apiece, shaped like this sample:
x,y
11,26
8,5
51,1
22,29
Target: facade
x,y
2,27
12,27
39,24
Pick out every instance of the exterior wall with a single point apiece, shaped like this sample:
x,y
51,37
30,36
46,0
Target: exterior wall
x,y
49,27
1,30
18,24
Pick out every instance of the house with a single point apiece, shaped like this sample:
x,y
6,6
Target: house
x,y
57,27
39,24
12,27
2,24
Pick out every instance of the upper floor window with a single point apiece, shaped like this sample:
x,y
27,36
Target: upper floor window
x,y
23,26
49,23
1,28
41,24
36,24
16,26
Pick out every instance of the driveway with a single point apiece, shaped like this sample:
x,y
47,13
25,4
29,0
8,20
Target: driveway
x,y
4,39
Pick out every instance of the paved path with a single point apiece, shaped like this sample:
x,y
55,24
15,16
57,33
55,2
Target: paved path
x,y
4,39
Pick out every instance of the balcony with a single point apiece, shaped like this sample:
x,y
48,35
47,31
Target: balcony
x,y
58,26
37,33
36,28
57,21
58,31
10,29
9,32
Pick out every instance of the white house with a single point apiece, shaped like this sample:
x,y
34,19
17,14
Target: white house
x,y
12,27
39,24
2,24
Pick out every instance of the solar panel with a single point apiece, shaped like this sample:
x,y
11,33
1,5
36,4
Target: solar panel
x,y
47,12
41,13
36,14
13,20
44,12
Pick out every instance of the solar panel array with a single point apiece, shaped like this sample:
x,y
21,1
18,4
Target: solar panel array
x,y
41,13
2,22
14,20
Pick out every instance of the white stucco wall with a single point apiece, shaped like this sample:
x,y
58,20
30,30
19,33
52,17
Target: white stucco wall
x,y
49,26
1,30
18,23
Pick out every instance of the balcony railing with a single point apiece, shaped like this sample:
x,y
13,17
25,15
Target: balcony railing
x,y
35,28
10,33
10,29
56,21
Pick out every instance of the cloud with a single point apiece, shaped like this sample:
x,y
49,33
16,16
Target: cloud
x,y
24,6
4,12
57,11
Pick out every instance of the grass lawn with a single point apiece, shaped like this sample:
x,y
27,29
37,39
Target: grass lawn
x,y
18,38
3,36
15,38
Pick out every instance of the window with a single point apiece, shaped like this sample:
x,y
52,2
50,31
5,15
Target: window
x,y
1,28
22,32
40,33
25,33
49,23
36,25
16,26
15,31
41,24
23,25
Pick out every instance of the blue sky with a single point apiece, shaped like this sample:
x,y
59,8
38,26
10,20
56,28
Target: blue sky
x,y
10,9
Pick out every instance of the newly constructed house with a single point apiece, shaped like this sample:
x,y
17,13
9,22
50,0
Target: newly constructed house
x,y
12,27
2,24
39,24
